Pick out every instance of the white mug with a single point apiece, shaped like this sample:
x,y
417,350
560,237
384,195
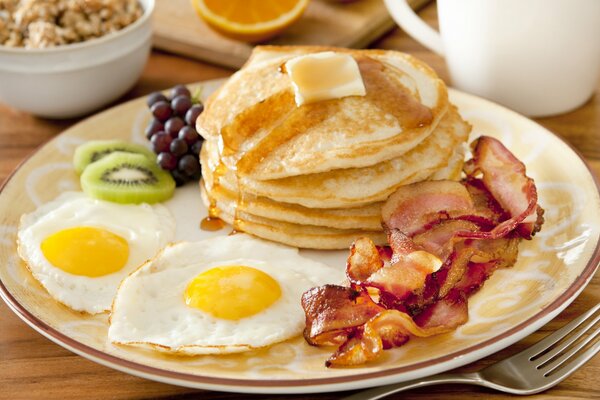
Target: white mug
x,y
539,57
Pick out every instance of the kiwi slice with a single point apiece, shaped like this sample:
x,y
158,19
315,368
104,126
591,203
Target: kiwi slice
x,y
127,178
94,150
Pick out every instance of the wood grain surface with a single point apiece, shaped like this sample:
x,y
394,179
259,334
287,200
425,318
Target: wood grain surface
x,y
178,29
32,367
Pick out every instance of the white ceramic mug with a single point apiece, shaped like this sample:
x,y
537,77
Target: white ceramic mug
x,y
539,57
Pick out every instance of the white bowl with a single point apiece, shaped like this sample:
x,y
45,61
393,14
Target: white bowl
x,y
73,80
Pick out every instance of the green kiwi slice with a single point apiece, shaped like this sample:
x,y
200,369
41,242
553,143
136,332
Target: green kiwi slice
x,y
94,150
127,178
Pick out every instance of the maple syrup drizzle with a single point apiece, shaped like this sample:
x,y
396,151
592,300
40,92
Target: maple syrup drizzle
x,y
212,224
388,94
239,203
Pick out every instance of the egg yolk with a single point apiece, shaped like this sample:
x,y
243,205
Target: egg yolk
x,y
86,251
232,292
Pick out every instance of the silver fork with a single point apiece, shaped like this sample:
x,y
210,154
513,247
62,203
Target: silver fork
x,y
533,370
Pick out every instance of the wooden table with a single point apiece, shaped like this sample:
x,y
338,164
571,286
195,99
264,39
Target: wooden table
x,y
32,367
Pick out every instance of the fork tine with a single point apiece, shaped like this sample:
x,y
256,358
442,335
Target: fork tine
x,y
557,350
550,340
574,364
554,364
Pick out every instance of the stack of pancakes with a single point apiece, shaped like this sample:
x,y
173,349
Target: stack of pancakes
x,y
315,176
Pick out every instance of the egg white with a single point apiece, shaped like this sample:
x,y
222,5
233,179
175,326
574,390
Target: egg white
x,y
150,311
146,228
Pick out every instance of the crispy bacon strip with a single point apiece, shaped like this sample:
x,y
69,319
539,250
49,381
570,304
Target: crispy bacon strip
x,y
488,213
332,312
420,285
455,271
392,328
408,268
413,207
476,275
450,312
441,239
364,260
504,176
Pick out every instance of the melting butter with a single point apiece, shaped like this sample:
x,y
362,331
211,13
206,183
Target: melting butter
x,y
324,76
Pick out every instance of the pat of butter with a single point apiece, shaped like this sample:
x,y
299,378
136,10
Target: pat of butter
x,y
324,76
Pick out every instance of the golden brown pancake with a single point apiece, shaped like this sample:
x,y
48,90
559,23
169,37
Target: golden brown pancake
x,y
352,187
366,217
264,135
297,235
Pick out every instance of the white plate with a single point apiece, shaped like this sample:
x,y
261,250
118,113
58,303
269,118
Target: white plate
x,y
551,271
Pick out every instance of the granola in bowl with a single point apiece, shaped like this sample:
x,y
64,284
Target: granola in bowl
x,y
46,23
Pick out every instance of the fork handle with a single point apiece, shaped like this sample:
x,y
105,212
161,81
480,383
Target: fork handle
x,y
382,391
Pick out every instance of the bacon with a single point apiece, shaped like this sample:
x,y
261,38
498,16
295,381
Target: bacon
x,y
503,250
399,279
456,270
414,260
445,240
437,285
488,213
490,255
333,311
476,275
504,176
400,244
407,271
441,238
364,260
392,328
365,345
413,207
450,312
385,253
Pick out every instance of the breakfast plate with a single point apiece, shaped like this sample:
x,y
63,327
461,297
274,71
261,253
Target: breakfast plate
x,y
551,270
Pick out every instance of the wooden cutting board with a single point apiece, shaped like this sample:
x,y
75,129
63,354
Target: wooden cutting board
x,y
179,30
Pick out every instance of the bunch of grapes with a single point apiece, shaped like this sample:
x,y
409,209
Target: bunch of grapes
x,y
173,134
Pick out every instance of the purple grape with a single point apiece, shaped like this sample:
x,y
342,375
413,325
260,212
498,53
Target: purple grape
x,y
178,147
181,104
155,97
161,142
173,126
180,178
188,134
195,149
180,90
153,127
192,114
189,165
167,161
161,110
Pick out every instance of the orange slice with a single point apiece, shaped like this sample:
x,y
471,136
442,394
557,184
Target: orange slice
x,y
249,20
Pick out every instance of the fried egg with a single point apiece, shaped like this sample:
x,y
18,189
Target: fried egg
x,y
81,248
220,295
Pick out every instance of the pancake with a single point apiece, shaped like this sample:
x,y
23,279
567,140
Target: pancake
x,y
353,187
263,135
303,236
366,218
453,170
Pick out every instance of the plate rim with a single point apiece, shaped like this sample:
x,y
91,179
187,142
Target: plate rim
x,y
297,385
